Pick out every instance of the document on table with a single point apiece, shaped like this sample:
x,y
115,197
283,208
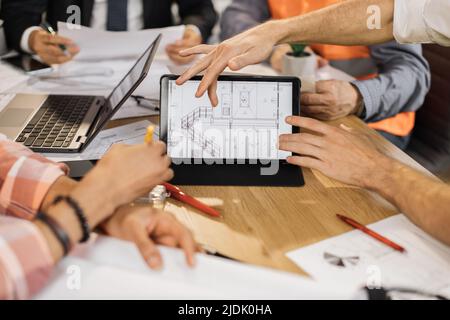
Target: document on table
x,y
105,45
114,269
356,258
130,134
10,77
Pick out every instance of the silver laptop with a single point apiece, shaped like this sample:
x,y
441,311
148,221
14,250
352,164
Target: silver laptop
x,y
66,123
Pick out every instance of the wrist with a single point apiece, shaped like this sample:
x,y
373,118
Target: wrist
x,y
53,243
96,197
380,175
275,30
32,40
287,31
358,102
61,187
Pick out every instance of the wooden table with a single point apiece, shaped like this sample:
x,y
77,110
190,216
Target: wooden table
x,y
260,224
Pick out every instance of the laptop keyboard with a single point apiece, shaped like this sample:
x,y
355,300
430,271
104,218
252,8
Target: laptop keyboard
x,y
56,123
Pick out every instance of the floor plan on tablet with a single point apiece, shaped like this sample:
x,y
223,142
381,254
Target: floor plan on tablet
x,y
245,125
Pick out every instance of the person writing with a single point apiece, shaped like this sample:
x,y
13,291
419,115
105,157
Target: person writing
x,y
341,153
22,20
43,213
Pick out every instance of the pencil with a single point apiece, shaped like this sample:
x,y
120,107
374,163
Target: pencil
x,y
149,135
371,233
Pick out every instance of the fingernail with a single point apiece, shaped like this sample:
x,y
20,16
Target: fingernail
x,y
288,119
192,262
154,262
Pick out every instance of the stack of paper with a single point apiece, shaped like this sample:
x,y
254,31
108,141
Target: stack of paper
x,y
130,134
102,45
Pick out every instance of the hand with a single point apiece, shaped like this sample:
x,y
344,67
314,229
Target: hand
x,y
250,47
337,152
147,227
334,99
127,172
46,46
191,38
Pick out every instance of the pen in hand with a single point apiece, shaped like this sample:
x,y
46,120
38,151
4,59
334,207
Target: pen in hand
x,y
149,135
49,29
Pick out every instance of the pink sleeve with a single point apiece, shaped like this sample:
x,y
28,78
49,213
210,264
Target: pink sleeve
x,y
25,259
25,178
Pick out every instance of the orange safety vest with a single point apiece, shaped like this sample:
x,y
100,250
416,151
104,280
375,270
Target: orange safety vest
x,y
399,125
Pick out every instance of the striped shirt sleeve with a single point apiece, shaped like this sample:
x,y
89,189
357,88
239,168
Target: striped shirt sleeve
x,y
25,259
25,178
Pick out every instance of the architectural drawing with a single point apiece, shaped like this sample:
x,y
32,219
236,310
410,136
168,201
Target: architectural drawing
x,y
245,125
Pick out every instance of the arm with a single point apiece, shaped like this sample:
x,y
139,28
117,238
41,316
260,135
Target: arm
x,y
346,24
402,83
26,179
352,158
427,206
29,182
200,13
242,15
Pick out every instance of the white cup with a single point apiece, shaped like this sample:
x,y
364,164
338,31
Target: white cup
x,y
299,66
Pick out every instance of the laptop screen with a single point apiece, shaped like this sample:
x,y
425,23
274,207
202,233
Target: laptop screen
x,y
128,83
120,92
126,87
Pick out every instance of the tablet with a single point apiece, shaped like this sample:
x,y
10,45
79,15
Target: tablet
x,y
236,142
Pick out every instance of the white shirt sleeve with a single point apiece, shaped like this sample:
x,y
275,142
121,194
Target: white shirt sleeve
x,y
422,21
24,44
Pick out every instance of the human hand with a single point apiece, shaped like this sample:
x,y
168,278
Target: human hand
x,y
250,47
338,153
127,172
147,227
46,46
191,38
333,99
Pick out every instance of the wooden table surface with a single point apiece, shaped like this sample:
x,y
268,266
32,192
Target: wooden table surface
x,y
260,224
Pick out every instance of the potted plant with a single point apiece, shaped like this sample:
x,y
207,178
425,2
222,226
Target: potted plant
x,y
299,63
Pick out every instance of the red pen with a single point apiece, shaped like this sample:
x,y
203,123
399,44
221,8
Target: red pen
x,y
179,195
371,233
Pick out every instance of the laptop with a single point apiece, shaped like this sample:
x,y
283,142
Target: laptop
x,y
68,123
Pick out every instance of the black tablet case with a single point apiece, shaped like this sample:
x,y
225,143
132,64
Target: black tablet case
x,y
236,175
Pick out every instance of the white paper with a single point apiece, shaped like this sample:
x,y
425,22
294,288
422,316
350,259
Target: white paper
x,y
114,269
103,45
365,261
10,77
130,134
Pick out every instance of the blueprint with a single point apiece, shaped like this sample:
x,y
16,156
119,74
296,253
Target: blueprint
x,y
245,125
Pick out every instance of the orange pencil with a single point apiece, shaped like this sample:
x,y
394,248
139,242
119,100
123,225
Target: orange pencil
x,y
371,233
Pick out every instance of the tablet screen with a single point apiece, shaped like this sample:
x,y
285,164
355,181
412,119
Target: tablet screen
x,y
245,125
